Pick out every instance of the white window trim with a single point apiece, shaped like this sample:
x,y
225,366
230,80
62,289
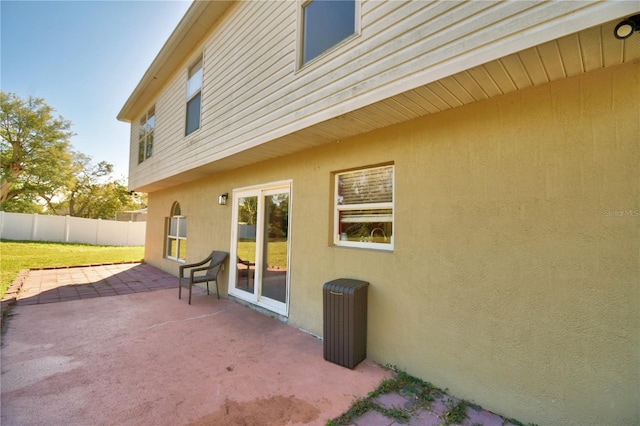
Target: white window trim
x,y
189,98
340,207
176,237
146,133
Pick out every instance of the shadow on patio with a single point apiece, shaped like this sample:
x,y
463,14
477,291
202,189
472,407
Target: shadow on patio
x,y
84,282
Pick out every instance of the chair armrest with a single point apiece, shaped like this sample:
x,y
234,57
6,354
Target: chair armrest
x,y
194,270
192,265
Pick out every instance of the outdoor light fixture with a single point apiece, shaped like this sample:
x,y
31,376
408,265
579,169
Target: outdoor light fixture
x,y
625,28
222,199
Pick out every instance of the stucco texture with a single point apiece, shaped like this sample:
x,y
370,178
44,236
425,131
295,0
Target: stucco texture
x,y
515,276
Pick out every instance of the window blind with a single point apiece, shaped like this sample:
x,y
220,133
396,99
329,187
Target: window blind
x,y
366,186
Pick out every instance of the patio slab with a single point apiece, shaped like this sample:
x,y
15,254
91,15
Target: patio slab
x,y
122,349
148,358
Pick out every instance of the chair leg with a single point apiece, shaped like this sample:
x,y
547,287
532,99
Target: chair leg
x,y
190,285
217,290
207,288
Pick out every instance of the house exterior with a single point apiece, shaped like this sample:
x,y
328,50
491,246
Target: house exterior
x,y
476,162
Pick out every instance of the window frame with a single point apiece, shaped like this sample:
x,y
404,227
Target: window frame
x,y
192,94
146,133
372,206
176,214
302,4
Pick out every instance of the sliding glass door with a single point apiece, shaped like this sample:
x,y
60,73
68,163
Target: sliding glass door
x,y
260,246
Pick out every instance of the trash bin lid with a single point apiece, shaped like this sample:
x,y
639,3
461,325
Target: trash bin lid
x,y
345,285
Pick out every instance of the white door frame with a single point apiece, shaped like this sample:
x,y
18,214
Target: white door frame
x,y
259,191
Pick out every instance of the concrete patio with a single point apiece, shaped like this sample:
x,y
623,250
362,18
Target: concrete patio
x,y
113,345
144,357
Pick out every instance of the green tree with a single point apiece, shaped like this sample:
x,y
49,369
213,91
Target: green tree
x,y
248,210
101,201
93,193
34,151
39,168
278,215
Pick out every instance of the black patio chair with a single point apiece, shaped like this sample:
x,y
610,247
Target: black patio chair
x,y
248,264
211,271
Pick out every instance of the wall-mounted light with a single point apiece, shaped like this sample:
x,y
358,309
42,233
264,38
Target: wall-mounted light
x,y
625,28
222,199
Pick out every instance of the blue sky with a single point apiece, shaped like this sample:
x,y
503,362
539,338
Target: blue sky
x,y
84,58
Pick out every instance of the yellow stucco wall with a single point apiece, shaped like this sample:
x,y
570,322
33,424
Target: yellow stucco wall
x,y
515,279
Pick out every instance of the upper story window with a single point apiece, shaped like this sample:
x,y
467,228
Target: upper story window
x,y
145,135
176,248
363,215
194,97
326,23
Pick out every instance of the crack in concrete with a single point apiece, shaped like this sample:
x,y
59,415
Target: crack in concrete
x,y
184,320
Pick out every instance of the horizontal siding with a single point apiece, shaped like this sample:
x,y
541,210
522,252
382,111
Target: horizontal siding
x,y
170,110
168,134
252,92
133,153
243,90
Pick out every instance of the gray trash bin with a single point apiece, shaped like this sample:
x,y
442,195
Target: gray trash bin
x,y
345,321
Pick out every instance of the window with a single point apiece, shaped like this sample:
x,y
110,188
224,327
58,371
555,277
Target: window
x,y
364,208
194,97
176,235
145,135
326,23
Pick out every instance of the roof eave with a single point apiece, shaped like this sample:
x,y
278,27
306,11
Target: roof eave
x,y
189,32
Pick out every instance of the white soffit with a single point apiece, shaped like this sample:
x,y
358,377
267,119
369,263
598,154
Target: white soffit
x,y
588,50
572,55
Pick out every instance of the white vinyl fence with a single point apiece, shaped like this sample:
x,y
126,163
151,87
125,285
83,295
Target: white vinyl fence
x,y
67,229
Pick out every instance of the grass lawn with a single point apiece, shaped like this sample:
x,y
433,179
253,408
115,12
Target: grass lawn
x,y
17,255
277,252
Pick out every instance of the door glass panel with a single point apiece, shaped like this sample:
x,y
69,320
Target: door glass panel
x,y
246,244
274,262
